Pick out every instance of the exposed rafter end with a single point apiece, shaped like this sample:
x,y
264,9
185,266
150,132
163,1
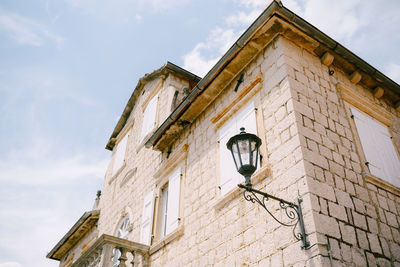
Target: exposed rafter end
x,y
378,92
327,59
355,77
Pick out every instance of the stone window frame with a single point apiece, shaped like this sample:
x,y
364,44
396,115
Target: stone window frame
x,y
249,92
353,99
155,92
176,160
125,215
127,131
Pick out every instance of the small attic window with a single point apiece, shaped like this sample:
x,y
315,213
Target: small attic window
x,y
174,103
149,117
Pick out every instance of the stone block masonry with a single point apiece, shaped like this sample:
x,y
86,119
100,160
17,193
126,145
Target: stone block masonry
x,y
310,151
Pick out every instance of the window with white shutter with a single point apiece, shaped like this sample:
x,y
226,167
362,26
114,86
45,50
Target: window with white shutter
x,y
163,209
149,117
174,192
245,117
168,206
119,157
380,153
147,219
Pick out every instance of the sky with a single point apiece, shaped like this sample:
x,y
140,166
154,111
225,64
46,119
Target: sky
x,y
68,67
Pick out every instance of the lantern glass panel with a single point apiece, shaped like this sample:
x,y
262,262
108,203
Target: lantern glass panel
x,y
236,155
254,150
244,151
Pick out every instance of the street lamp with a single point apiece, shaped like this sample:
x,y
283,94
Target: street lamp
x,y
244,149
245,152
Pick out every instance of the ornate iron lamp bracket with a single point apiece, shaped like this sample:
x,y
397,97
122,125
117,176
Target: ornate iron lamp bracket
x,y
292,211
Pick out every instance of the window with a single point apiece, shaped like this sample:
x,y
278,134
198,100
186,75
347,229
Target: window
x,y
147,219
119,155
149,117
379,150
245,117
123,228
167,212
163,206
121,232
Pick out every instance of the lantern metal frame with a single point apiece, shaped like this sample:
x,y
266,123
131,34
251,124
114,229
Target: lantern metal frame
x,y
291,210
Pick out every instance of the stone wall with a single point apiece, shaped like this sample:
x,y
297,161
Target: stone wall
x,y
360,219
310,152
123,193
225,231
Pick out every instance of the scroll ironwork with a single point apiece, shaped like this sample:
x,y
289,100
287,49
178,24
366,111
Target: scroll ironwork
x,y
292,211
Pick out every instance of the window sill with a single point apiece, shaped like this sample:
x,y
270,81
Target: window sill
x,y
178,232
117,173
372,179
259,175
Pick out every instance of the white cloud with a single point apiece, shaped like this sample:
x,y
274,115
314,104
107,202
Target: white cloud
x,y
341,20
26,31
41,196
120,11
345,21
44,183
162,5
37,161
34,219
10,264
138,18
205,54
254,4
48,171
41,85
197,63
243,18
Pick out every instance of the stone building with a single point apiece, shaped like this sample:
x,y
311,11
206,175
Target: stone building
x,y
330,129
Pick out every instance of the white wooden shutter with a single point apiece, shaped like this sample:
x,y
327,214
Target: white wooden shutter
x,y
174,191
229,177
147,219
378,147
247,119
149,116
367,137
389,156
120,154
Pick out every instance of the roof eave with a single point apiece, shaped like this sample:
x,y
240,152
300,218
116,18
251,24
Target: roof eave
x,y
94,214
132,100
277,9
213,73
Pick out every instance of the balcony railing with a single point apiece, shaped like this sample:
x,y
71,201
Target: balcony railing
x,y
103,252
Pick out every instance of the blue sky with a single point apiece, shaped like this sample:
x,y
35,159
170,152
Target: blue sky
x,y
68,67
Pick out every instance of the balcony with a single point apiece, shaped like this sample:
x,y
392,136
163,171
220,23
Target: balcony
x,y
102,252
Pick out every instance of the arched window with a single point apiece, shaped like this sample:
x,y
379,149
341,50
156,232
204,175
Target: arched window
x,y
174,103
121,232
123,228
